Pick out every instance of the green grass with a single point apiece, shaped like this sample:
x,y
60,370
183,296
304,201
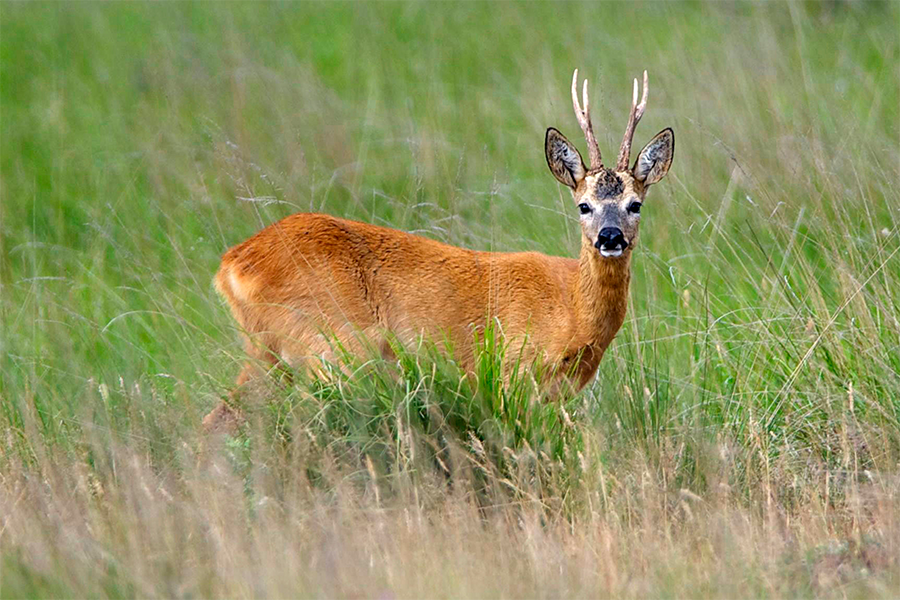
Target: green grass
x,y
758,368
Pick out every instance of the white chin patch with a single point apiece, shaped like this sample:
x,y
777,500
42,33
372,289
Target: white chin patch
x,y
610,253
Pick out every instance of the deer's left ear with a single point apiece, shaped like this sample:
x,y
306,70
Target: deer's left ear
x,y
654,161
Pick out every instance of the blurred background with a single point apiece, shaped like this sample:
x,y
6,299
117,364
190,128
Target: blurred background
x,y
139,141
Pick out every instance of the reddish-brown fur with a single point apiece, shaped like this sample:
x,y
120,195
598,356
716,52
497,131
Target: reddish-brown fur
x,y
310,279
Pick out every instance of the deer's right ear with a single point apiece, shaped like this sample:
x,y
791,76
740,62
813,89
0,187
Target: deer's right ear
x,y
563,159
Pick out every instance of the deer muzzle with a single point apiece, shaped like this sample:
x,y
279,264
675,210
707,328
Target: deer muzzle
x,y
611,242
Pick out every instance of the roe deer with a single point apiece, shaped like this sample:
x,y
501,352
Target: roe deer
x,y
308,279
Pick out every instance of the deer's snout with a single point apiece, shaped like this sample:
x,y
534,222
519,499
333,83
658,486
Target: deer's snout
x,y
611,241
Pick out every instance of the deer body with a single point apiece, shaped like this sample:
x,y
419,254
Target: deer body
x,y
310,279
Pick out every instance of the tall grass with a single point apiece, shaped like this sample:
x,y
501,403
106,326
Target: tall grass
x,y
741,438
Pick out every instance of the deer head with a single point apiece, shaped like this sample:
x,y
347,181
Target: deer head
x,y
608,200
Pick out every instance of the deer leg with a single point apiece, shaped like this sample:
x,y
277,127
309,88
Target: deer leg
x,y
227,416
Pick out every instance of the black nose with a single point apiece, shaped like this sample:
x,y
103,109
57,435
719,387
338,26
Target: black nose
x,y
611,238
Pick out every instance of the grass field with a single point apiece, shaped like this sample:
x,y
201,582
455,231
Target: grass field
x,y
742,438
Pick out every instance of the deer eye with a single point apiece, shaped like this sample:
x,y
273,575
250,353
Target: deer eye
x,y
584,208
634,207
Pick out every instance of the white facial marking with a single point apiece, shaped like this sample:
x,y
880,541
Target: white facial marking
x,y
611,253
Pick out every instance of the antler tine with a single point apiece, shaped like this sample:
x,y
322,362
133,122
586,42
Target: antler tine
x,y
637,111
584,120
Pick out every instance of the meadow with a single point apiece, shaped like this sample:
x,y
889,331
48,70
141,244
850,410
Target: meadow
x,y
742,437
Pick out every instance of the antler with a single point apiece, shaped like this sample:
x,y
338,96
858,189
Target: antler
x,y
637,111
584,119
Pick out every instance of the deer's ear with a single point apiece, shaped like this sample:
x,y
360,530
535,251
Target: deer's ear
x,y
654,161
563,159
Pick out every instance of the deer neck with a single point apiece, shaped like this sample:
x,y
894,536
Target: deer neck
x,y
600,295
